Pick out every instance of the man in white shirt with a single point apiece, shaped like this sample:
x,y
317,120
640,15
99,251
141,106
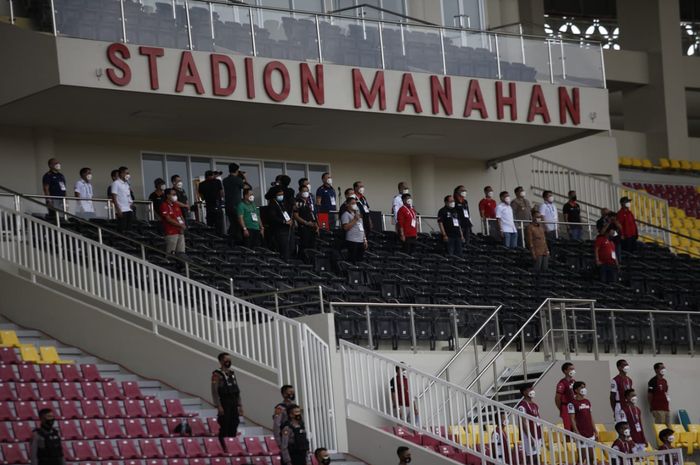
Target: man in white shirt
x,y
83,191
549,212
506,224
121,197
397,202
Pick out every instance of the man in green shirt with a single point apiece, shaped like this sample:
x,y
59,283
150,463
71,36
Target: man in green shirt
x,y
249,220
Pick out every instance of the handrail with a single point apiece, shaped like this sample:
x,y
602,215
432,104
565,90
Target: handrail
x,y
187,265
276,293
288,349
383,10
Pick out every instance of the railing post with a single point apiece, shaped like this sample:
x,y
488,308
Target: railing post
x,y
602,66
143,252
211,20
53,18
230,284
370,339
594,323
414,339
12,13
189,25
614,331
653,333
522,43
574,329
252,32
123,18
498,57
551,66
64,205
691,343
546,350
99,235
381,47
187,270
277,302
318,39
455,328
320,298
524,352
442,51
476,364
563,60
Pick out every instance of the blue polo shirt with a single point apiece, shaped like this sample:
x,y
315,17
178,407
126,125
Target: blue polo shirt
x,y
56,183
328,201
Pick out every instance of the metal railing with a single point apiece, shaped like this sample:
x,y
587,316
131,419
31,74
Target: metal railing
x,y
368,308
336,39
278,292
291,351
466,420
491,226
85,208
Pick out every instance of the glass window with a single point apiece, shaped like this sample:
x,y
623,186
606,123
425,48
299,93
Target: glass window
x,y
308,5
197,167
153,168
295,171
398,6
275,3
462,13
177,166
272,170
252,175
315,173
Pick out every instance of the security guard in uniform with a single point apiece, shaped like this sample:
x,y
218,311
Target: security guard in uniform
x,y
227,398
295,443
46,443
305,217
279,417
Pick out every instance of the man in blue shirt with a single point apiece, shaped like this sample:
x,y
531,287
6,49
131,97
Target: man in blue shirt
x,y
325,198
54,184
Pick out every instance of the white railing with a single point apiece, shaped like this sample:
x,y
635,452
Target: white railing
x,y
101,208
467,421
288,349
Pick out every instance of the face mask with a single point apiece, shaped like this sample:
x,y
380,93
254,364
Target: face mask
x,y
280,198
409,201
251,198
662,371
329,181
489,194
298,418
521,194
57,167
227,364
406,191
583,391
353,196
572,373
627,433
451,205
463,193
162,187
173,198
550,199
634,400
573,197
671,439
178,184
626,368
88,177
531,394
325,461
305,195
407,460
49,423
628,204
127,178
355,207
291,396
361,190
506,200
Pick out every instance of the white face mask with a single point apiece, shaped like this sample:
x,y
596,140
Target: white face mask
x,y
627,433
354,207
662,371
219,178
251,198
463,193
127,178
572,373
634,400
521,194
361,190
583,391
280,198
671,439
489,194
178,184
451,205
628,204
88,177
353,196
550,199
173,198
305,195
409,202
626,369
507,199
57,167
162,187
406,191
329,181
531,394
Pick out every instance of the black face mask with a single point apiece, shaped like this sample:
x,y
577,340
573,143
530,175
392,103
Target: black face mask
x,y
298,418
573,197
227,364
48,424
326,461
291,397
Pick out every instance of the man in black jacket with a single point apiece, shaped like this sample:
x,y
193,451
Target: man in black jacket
x,y
46,443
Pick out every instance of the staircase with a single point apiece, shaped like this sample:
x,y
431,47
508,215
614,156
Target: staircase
x,y
507,388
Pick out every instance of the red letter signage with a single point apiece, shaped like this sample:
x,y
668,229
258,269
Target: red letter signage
x,y
188,74
502,101
359,89
566,105
116,54
441,96
216,62
408,95
309,83
538,105
475,101
267,81
152,53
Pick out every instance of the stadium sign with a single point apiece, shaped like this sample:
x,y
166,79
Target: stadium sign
x,y
240,78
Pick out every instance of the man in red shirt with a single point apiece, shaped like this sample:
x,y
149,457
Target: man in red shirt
x,y
173,223
487,210
565,394
532,434
618,386
633,417
624,442
605,256
582,419
658,396
407,224
401,397
628,225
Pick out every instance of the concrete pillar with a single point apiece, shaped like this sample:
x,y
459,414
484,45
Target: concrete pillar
x,y
423,183
44,149
658,109
531,16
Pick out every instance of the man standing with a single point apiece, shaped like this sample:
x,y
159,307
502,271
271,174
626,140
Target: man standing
x,y
628,225
538,243
182,199
462,206
404,454
572,214
659,399
211,191
633,416
295,442
83,191
46,446
227,398
355,239
506,225
609,219
281,225
448,219
233,194
359,188
248,218
157,197
549,212
173,223
121,198
401,397
322,456
522,213
624,442
620,384
407,224
605,256
54,184
582,418
532,433
397,201
325,199
487,210
565,394
305,217
279,417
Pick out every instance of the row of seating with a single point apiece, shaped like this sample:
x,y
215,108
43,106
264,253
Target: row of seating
x,y
27,373
70,410
68,390
664,164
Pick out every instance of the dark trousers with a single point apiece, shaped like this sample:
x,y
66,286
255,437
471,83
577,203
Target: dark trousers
x,y
125,221
356,251
228,422
254,239
409,245
454,246
629,244
608,273
307,239
298,458
467,232
284,243
214,219
235,233
575,233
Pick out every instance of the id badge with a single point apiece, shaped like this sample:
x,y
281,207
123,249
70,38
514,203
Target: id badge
x,y
286,216
413,223
180,220
455,222
614,256
333,201
62,185
254,217
366,208
638,427
361,226
466,213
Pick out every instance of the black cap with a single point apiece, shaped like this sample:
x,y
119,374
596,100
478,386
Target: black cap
x,y
625,199
233,167
208,173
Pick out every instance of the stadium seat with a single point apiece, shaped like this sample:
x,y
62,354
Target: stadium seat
x,y
6,413
192,448
150,449
22,430
625,161
8,338
27,373
49,355
50,374
132,390
253,446
13,454
24,411
83,452
29,354
48,392
174,408
90,373
235,448
111,391
91,429
213,425
69,430
25,392
675,164
7,374
134,429
112,409
272,446
664,163
9,356
113,429
69,391
154,408
128,449
91,409
213,448
69,410
155,428
91,391
70,373
171,449
68,454
5,435
6,393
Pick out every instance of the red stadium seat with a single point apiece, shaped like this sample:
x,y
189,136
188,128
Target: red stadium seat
x,y
174,408
113,429
133,409
252,443
272,446
68,454
154,461
25,392
177,462
91,429
6,411
428,441
198,461
213,426
9,356
171,449
6,393
91,409
69,430
90,373
134,429
69,391
5,435
193,448
128,449
69,410
7,373
133,462
22,430
196,425
219,461
235,448
132,390
45,404
155,428
70,373
240,460
154,408
213,448
112,391
276,460
24,410
48,392
112,409
27,373
50,374
91,391
259,460
13,454
150,449
105,450
83,451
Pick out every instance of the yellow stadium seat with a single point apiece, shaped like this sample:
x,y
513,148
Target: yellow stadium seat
x,y
695,234
686,165
600,427
607,436
29,354
625,161
49,355
664,163
675,241
683,231
684,242
695,165
513,434
675,164
680,213
684,438
676,223
636,163
689,223
9,338
647,164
